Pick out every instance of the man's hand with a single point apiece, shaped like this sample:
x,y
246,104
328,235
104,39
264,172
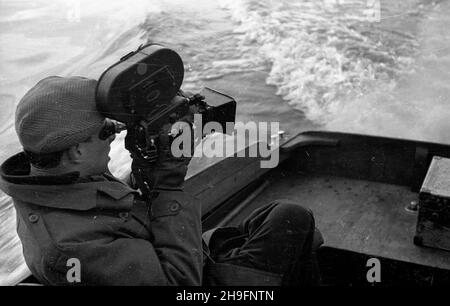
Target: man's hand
x,y
167,172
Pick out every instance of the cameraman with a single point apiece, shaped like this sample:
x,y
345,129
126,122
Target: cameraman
x,y
69,207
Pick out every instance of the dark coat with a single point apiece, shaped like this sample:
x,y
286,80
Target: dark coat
x,y
117,238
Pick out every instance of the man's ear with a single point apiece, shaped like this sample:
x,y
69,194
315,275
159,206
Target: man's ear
x,y
74,154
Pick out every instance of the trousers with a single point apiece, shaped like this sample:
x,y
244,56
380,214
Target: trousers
x,y
275,245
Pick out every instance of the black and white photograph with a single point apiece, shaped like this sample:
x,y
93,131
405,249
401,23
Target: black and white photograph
x,y
226,149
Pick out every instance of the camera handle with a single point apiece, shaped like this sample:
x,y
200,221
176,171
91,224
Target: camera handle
x,y
142,139
144,151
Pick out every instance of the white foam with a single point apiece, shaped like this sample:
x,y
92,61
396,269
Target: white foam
x,y
344,72
416,107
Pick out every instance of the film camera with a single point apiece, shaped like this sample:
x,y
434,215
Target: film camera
x,y
142,93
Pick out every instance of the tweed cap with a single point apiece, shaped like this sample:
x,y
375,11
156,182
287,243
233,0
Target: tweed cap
x,y
57,113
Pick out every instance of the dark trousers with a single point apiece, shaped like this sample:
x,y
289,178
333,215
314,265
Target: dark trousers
x,y
279,238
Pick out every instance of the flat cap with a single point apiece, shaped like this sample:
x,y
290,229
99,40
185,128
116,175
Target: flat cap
x,y
57,113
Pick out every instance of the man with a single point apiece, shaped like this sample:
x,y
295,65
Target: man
x,y
69,207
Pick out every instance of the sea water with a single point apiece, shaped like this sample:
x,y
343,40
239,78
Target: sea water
x,y
362,66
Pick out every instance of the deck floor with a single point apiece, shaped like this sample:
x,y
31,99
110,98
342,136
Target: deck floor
x,y
355,215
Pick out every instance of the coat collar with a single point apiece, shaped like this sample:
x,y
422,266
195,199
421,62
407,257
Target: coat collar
x,y
67,191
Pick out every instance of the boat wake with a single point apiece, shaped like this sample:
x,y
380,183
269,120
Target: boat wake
x,y
348,70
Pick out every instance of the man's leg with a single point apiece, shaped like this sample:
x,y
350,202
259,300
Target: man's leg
x,y
279,240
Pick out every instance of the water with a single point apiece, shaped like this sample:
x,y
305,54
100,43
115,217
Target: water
x,y
331,64
333,61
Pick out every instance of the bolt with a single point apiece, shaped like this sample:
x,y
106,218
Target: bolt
x,y
412,207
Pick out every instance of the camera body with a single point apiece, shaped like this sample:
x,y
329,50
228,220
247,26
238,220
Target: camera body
x,y
142,91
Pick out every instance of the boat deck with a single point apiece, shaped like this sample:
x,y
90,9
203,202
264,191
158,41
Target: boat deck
x,y
358,188
355,215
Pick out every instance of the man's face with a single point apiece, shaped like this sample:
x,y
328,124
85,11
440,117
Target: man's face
x,y
95,154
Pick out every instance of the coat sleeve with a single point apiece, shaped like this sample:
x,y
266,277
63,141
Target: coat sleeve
x,y
174,257
177,229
